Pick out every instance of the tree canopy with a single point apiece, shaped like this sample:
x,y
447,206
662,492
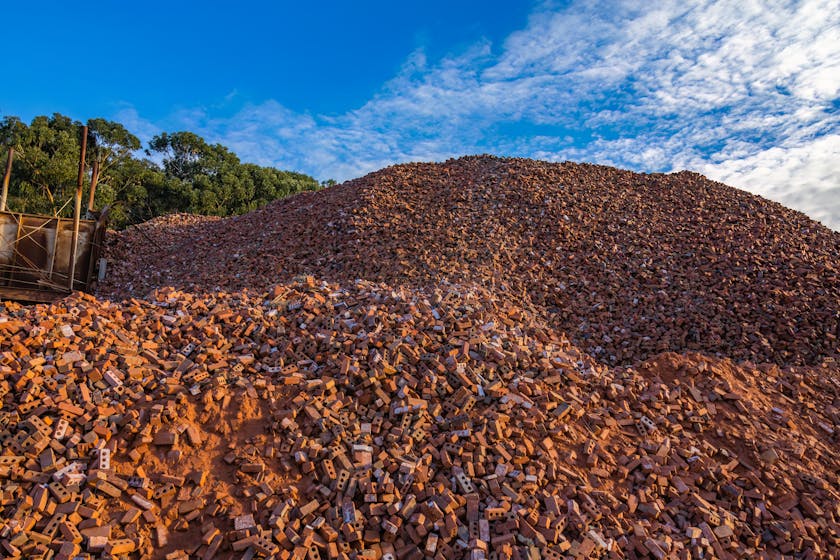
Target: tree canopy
x,y
192,175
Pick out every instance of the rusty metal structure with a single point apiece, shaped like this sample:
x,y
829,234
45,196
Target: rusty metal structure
x,y
43,258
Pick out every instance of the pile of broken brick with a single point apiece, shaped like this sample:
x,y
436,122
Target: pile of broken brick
x,y
491,359
365,421
628,265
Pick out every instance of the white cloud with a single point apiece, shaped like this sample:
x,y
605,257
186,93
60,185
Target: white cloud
x,y
743,91
806,176
137,125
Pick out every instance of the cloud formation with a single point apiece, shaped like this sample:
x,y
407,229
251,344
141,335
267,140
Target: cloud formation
x,y
745,92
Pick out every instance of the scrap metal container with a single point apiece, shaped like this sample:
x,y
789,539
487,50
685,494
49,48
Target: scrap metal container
x,y
36,252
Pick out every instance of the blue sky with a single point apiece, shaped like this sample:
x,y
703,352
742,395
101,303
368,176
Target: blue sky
x,y
744,92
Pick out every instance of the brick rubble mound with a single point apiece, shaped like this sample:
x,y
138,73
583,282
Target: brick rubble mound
x,y
470,360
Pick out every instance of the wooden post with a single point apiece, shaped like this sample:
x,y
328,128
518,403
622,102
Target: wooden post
x,y
6,176
77,214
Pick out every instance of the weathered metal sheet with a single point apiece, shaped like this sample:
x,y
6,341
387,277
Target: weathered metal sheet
x,y
35,253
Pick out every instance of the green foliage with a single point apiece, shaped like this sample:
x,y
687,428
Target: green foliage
x,y
194,176
46,162
211,180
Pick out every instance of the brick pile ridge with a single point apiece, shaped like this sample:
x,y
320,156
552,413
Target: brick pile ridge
x,y
365,421
628,265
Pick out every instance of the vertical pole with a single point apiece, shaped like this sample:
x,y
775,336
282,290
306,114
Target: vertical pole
x,y
94,180
78,210
6,176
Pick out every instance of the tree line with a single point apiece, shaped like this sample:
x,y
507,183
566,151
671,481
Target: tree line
x,y
192,175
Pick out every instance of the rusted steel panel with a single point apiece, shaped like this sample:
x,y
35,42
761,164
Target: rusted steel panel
x,y
35,253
